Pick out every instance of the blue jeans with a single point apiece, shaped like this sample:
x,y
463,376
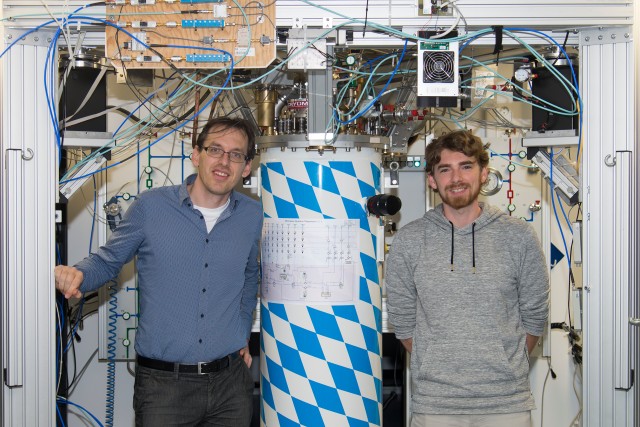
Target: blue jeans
x,y
223,398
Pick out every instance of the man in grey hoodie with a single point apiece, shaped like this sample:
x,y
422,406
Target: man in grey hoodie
x,y
467,289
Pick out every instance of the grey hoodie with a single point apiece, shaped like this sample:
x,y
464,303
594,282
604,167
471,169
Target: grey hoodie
x,y
469,353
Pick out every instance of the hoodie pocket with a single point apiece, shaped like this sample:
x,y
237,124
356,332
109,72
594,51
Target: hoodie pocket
x,y
465,368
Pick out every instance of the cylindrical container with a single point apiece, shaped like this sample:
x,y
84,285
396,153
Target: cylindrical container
x,y
321,331
266,98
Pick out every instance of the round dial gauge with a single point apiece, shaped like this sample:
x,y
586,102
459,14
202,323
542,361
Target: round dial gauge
x,y
493,184
522,74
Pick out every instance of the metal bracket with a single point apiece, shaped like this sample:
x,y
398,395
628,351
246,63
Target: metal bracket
x,y
606,35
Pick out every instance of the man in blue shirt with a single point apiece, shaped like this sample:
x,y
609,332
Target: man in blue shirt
x,y
196,246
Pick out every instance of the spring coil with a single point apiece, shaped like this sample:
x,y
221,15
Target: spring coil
x,y
111,356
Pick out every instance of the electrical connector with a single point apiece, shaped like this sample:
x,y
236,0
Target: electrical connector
x,y
265,40
144,24
148,58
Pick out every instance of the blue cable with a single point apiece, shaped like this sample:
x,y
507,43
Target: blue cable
x,y
50,104
59,415
63,401
226,82
373,101
566,218
553,203
142,104
204,107
573,76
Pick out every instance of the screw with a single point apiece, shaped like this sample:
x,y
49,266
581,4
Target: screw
x,y
600,37
587,38
613,36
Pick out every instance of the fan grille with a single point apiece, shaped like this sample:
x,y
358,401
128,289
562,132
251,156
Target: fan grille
x,y
439,67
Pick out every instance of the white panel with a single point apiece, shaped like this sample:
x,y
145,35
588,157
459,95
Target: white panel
x,y
608,127
29,152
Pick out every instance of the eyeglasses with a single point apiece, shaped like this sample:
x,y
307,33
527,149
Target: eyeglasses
x,y
217,152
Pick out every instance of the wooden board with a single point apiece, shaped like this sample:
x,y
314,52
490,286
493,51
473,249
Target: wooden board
x,y
167,28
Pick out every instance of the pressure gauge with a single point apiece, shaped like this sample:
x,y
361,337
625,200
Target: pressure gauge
x,y
522,74
493,184
350,60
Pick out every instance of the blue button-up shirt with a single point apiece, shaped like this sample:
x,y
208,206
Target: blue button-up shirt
x,y
197,290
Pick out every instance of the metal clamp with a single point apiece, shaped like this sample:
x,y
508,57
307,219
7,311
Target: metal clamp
x,y
611,163
634,321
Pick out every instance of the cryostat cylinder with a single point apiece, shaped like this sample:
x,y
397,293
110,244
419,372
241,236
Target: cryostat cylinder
x,y
321,319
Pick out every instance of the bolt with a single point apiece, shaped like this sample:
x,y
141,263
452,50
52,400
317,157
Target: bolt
x,y
627,35
613,36
587,38
49,39
600,37
35,39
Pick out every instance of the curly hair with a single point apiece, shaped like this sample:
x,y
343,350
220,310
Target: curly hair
x,y
461,141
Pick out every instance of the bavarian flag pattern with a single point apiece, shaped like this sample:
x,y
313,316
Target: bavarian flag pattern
x,y
320,364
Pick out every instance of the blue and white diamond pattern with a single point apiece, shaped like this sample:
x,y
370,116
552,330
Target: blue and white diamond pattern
x,y
321,364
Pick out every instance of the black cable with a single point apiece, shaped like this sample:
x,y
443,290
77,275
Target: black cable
x,y
135,90
160,125
366,14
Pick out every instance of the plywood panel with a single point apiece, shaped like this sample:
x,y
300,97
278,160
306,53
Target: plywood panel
x,y
182,34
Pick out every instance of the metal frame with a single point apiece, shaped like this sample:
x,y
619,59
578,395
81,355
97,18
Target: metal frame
x,y
28,212
607,66
400,13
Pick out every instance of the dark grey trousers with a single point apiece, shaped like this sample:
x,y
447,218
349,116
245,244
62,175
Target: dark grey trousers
x,y
223,398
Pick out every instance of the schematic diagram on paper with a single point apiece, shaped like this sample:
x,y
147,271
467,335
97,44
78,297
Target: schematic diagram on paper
x,y
309,260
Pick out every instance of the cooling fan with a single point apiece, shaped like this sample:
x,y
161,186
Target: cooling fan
x,y
438,69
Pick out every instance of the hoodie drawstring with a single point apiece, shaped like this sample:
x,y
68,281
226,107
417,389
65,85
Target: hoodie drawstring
x,y
473,245
451,245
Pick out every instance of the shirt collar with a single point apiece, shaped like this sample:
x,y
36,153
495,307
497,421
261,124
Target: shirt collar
x,y
183,193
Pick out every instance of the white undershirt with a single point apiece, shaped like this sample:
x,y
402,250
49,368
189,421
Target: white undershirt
x,y
211,215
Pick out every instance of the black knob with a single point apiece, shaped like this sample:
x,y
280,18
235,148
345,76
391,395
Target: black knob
x,y
383,204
